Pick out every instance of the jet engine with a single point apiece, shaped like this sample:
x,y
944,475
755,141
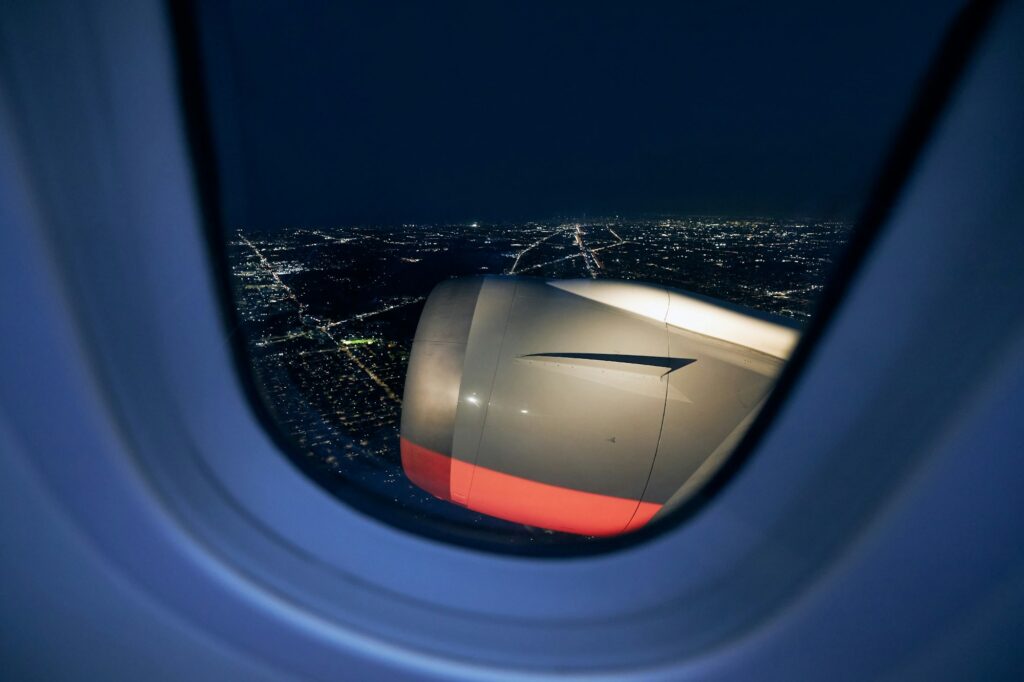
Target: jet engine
x,y
584,406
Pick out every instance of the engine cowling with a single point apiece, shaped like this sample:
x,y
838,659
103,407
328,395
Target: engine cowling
x,y
584,406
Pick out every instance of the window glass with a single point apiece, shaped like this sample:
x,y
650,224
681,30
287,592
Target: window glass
x,y
525,272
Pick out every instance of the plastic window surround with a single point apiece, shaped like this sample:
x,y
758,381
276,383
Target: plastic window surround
x,y
259,535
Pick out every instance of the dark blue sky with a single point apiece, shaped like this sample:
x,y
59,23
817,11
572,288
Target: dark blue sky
x,y
330,113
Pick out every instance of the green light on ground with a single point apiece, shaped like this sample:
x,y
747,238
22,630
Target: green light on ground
x,y
358,342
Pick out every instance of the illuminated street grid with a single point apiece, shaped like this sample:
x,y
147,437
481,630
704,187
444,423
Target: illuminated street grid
x,y
328,313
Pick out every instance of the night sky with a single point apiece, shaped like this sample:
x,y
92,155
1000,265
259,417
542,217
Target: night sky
x,y
380,112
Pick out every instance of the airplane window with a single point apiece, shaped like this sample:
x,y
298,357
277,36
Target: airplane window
x,y
524,274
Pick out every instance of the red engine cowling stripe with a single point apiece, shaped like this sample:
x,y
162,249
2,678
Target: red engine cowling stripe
x,y
429,470
523,500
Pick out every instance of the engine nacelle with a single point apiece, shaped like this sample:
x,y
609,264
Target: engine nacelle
x,y
585,406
